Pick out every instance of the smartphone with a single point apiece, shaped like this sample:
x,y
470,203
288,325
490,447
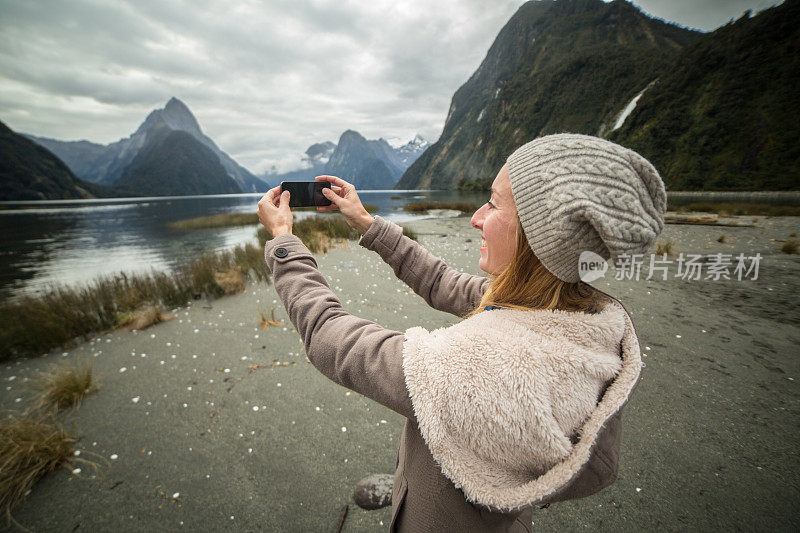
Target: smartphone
x,y
306,193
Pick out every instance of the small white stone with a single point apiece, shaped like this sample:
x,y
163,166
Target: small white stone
x,y
344,429
76,471
227,370
677,336
76,453
638,489
114,457
135,399
123,369
255,408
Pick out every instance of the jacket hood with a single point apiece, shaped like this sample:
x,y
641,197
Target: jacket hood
x,y
507,400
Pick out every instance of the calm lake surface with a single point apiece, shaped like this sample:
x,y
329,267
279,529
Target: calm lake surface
x,y
74,241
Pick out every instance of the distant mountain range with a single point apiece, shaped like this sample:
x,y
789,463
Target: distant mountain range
x,y
31,172
368,164
711,111
111,164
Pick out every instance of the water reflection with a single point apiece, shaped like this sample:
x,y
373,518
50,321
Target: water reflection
x,y
74,241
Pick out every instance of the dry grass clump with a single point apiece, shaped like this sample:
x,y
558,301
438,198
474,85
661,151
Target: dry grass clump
x,y
30,447
664,247
35,324
789,247
421,207
739,209
231,281
63,387
142,318
721,238
317,233
215,221
410,233
265,322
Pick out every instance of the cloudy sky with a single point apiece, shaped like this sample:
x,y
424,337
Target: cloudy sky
x,y
265,79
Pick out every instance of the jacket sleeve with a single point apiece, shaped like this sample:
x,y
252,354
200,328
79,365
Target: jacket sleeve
x,y
442,287
353,352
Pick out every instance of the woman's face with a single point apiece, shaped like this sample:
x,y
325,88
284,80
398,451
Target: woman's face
x,y
497,221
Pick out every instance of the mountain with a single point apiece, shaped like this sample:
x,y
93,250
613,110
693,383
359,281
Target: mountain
x,y
719,117
174,163
373,164
106,164
568,65
31,172
312,164
365,164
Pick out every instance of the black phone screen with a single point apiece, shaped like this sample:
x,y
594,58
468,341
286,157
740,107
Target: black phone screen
x,y
306,193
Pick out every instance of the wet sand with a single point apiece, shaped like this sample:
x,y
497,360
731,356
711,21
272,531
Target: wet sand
x,y
709,438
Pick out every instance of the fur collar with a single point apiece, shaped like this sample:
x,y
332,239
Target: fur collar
x,y
507,400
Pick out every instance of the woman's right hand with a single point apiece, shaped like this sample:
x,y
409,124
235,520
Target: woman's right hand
x,y
344,198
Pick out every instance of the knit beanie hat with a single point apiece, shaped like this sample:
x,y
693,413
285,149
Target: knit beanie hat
x,y
577,193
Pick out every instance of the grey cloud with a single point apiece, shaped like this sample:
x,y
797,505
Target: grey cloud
x,y
265,79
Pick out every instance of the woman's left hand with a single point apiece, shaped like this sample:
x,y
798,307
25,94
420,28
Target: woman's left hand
x,y
274,212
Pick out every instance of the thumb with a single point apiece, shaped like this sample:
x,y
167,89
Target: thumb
x,y
284,199
330,195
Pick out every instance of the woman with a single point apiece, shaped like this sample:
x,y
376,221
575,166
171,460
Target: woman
x,y
519,404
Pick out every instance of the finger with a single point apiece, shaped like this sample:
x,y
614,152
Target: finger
x,y
335,181
284,199
332,196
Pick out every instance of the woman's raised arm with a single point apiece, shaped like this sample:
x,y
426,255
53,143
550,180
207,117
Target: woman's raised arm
x,y
443,287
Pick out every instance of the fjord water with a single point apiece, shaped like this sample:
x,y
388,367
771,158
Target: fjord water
x,y
74,241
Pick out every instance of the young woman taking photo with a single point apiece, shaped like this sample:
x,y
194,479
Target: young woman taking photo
x,y
517,405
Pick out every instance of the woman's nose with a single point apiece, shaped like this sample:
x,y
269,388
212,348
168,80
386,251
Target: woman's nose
x,y
477,219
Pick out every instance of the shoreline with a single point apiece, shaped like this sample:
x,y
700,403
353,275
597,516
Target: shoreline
x,y
707,438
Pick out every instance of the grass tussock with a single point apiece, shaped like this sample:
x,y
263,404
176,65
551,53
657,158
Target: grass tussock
x,y
741,209
266,323
30,447
421,207
215,221
368,207
789,247
410,233
35,324
721,238
664,247
317,233
63,387
142,318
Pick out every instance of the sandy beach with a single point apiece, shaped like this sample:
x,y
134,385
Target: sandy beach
x,y
197,406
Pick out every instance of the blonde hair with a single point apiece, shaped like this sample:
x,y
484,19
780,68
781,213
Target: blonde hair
x,y
527,285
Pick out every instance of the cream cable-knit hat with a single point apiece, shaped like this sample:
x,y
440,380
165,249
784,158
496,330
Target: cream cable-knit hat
x,y
576,193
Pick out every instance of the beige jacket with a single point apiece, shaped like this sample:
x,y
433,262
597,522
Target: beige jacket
x,y
506,411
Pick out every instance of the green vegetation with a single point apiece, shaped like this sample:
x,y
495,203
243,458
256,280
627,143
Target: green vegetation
x,y
64,387
566,66
36,324
718,118
466,185
421,207
741,209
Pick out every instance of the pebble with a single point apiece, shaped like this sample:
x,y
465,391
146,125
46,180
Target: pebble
x,y
114,457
